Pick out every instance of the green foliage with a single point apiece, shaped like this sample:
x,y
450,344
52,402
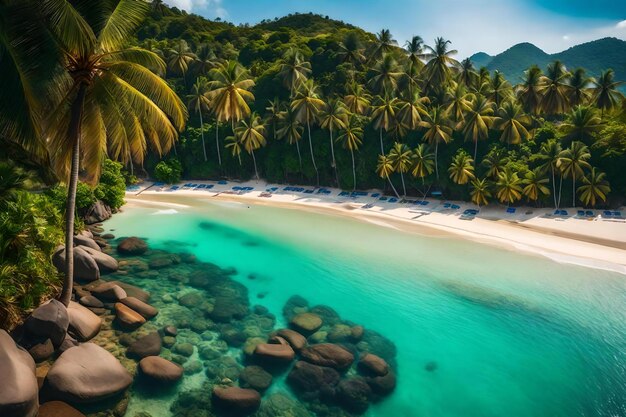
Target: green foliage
x,y
85,196
169,171
112,186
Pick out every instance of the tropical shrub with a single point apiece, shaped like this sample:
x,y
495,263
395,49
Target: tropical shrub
x,y
112,186
168,171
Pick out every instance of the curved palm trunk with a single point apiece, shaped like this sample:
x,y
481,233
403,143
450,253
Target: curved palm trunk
x,y
202,134
392,187
382,148
475,150
403,186
332,153
560,189
299,155
353,170
553,185
217,142
256,172
317,174
74,136
436,163
573,189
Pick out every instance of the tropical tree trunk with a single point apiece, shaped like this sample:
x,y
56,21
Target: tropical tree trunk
x,y
392,187
436,163
299,155
332,153
217,141
353,170
256,172
70,208
553,185
560,189
382,148
132,167
317,174
475,150
202,134
403,186
573,189
175,151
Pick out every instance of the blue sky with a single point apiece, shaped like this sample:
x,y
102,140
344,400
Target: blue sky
x,y
472,25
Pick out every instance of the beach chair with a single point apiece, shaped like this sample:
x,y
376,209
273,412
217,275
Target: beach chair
x,y
447,205
200,187
236,188
173,188
208,186
158,184
308,191
424,203
511,210
455,207
617,214
607,213
580,213
376,195
383,198
589,213
393,200
222,182
344,194
564,213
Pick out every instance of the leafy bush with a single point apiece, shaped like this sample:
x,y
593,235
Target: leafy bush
x,y
85,196
168,171
112,186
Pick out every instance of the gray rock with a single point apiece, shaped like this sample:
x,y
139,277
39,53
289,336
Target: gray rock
x,y
236,400
85,266
109,291
19,396
146,310
88,242
97,213
160,370
91,301
149,345
41,351
328,354
49,320
106,263
255,377
132,246
84,324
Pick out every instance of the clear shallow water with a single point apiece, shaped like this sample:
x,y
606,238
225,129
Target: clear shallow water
x,y
512,335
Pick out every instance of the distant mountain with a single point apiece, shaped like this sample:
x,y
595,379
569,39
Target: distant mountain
x,y
308,24
594,56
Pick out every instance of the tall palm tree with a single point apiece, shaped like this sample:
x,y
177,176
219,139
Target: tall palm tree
x,y
229,95
458,102
572,162
294,70
594,188
495,161
535,184
605,93
499,89
508,187
461,169
273,110
385,75
251,135
439,63
555,89
467,73
205,60
351,49
351,137
384,169
180,59
582,123
291,129
423,162
549,156
579,93
513,123
234,144
307,104
334,116
383,116
199,103
478,121
357,99
411,110
110,96
529,92
400,158
413,48
384,44
437,130
480,191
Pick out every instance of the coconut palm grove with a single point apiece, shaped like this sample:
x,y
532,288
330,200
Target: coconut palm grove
x,y
125,291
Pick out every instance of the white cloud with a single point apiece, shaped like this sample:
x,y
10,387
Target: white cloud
x,y
209,8
621,25
565,37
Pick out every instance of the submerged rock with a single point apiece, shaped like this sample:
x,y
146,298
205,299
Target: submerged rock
x,y
328,354
306,323
372,365
127,317
58,409
146,310
132,246
295,339
106,263
382,385
109,291
91,301
148,345
255,377
354,395
160,370
236,400
312,382
270,354
19,393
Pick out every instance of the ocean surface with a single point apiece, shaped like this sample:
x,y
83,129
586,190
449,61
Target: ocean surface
x,y
502,333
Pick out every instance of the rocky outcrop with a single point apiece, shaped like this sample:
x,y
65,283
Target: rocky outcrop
x,y
86,242
160,370
272,354
41,351
295,339
85,266
312,382
146,310
97,213
84,325
106,263
90,301
49,321
149,345
86,374
382,385
236,400
372,365
354,395
328,354
306,323
109,291
19,392
255,377
132,246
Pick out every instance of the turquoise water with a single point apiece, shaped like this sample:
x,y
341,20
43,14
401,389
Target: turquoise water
x,y
511,334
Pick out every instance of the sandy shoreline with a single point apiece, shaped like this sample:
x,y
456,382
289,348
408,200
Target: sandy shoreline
x,y
592,241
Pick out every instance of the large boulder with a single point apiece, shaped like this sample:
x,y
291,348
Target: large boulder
x,y
160,370
49,320
132,246
97,213
146,310
382,385
295,339
42,350
354,395
148,345
106,263
274,353
306,323
85,266
86,374
127,317
236,400
312,381
328,354
133,291
19,392
58,409
255,377
91,301
373,365
86,242
84,325
109,291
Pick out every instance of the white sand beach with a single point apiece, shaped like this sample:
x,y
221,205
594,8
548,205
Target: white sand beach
x,y
591,238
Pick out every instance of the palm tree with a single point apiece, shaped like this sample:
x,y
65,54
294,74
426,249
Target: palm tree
x,y
307,106
438,130
180,58
458,101
440,62
273,109
535,184
594,188
480,191
383,116
462,168
357,100
384,169
334,116
582,123
229,95
351,49
549,155
477,121
467,73
499,88
110,95
605,93
508,187
572,161
199,102
351,138
205,60
529,93
423,162
513,123
555,89
495,161
385,76
384,44
579,88
291,129
400,158
413,48
251,136
411,110
294,70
